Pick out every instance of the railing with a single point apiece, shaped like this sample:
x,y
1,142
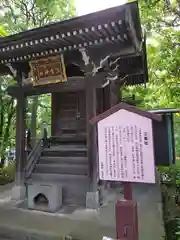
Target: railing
x,y
45,138
33,157
35,153
28,142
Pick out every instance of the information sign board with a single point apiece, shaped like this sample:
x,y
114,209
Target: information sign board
x,y
126,151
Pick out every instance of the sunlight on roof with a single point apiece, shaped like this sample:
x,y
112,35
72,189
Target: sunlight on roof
x,y
84,7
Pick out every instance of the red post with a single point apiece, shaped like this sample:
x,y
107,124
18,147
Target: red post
x,y
126,216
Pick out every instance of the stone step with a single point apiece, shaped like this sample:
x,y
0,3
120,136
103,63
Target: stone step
x,y
71,129
62,169
70,105
63,160
66,150
74,187
68,147
67,113
57,177
72,123
69,138
65,130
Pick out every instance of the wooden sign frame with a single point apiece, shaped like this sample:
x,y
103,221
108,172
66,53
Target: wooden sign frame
x,y
121,159
48,70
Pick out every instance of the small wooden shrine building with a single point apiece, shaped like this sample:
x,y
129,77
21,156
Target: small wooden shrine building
x,y
82,62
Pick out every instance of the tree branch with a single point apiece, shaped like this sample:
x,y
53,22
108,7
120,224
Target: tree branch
x,y
24,9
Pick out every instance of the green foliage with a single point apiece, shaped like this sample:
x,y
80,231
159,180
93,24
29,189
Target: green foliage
x,y
7,173
7,116
3,32
171,201
161,21
19,15
6,105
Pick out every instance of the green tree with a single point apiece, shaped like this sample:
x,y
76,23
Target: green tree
x,y
17,16
20,15
3,32
7,109
161,21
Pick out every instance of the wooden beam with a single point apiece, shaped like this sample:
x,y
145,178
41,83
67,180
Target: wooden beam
x,y
73,84
20,139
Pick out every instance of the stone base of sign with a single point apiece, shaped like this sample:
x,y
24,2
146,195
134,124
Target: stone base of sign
x,y
18,192
92,200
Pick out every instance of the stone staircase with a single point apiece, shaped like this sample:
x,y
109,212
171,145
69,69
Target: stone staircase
x,y
65,162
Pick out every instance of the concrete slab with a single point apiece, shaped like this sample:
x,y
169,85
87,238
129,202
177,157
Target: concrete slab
x,y
84,224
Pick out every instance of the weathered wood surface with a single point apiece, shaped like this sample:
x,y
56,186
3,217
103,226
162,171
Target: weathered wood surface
x,y
91,111
74,84
33,157
68,113
20,138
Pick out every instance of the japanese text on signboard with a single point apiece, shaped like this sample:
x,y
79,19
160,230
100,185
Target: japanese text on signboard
x,y
128,152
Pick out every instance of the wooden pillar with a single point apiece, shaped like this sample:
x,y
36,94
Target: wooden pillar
x,y
114,93
106,98
100,103
91,132
20,139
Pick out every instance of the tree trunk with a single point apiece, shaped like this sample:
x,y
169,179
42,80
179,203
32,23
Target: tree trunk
x,y
1,123
11,113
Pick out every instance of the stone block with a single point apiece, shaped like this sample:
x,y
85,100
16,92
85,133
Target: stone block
x,y
45,196
92,200
18,192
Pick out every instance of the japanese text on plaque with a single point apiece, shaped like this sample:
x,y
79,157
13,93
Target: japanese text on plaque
x,y
123,151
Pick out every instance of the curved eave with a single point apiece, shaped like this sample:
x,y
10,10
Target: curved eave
x,y
119,26
77,23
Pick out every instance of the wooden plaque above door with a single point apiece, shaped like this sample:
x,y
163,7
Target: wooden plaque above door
x,y
48,70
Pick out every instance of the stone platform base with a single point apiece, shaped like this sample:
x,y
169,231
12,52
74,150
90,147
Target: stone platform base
x,y
92,200
18,192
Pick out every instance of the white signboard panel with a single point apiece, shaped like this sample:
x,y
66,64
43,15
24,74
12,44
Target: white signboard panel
x,y
126,153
